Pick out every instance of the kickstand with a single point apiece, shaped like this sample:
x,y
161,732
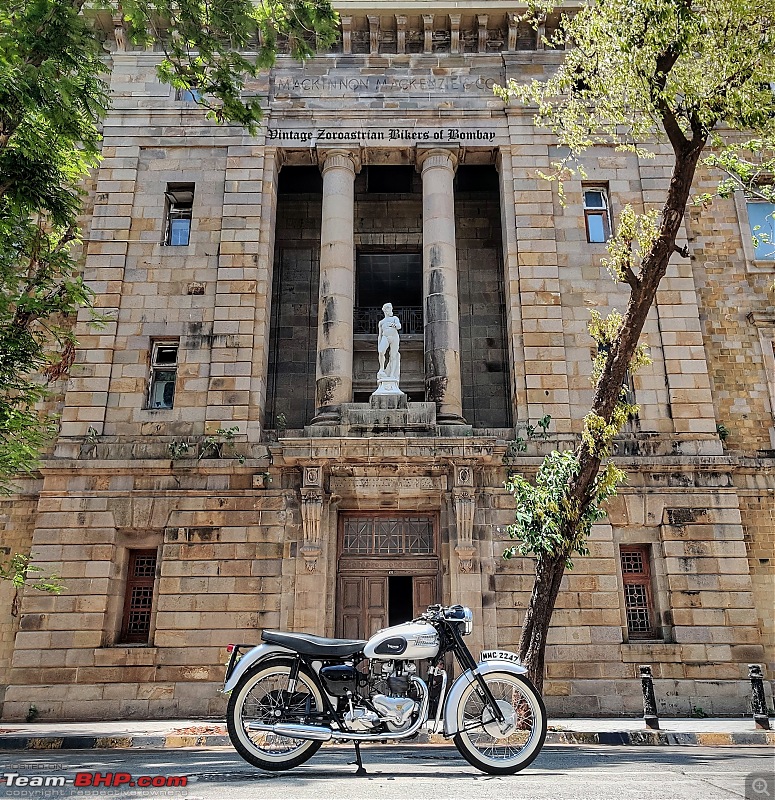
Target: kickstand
x,y
360,771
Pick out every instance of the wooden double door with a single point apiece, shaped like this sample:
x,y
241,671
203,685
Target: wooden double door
x,y
388,571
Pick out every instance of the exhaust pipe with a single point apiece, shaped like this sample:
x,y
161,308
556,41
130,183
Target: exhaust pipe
x,y
317,733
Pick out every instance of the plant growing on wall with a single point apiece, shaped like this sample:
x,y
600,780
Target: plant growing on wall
x,y
20,572
638,73
53,96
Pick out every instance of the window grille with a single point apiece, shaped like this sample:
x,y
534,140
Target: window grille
x,y
638,602
138,599
388,536
164,368
597,213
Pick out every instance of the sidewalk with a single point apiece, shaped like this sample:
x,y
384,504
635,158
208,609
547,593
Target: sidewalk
x,y
164,734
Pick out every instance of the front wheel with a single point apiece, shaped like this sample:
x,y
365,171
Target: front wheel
x,y
501,748
262,696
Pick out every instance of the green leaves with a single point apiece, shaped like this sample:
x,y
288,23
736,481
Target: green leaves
x,y
19,571
656,69
550,521
214,46
53,97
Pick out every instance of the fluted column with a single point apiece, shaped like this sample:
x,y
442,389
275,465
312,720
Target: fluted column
x,y
334,368
442,322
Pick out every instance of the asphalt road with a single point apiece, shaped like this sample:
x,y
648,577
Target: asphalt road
x,y
406,773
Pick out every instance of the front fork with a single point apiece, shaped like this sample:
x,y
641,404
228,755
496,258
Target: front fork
x,y
466,661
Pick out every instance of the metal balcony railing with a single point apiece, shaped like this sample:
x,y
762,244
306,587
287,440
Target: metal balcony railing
x,y
366,319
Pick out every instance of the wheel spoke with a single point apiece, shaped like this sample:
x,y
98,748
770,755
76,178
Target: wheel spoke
x,y
497,743
267,696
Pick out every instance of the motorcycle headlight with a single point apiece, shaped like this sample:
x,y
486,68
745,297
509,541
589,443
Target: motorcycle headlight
x,y
468,621
463,616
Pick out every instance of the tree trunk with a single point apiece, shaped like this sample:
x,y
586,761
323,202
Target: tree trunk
x,y
550,569
535,629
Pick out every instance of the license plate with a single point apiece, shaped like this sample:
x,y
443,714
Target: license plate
x,y
499,655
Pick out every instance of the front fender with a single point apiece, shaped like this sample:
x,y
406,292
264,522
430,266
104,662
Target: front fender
x,y
252,657
456,692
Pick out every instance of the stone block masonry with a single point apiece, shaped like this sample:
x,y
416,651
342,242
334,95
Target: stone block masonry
x,y
249,533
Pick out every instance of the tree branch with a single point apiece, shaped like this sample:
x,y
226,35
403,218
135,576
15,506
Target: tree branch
x,y
630,278
682,251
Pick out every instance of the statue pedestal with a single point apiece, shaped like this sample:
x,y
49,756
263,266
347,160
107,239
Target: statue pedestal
x,y
387,395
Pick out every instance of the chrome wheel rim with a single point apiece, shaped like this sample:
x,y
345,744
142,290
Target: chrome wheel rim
x,y
261,702
494,742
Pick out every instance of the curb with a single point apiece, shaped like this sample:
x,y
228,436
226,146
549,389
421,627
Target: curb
x,y
662,738
174,741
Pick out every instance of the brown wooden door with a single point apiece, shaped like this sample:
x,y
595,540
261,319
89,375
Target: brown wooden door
x,y
364,602
362,606
377,551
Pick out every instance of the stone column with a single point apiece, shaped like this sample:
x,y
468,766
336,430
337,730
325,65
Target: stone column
x,y
442,324
334,369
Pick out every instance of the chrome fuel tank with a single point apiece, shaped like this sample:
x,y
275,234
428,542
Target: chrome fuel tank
x,y
410,640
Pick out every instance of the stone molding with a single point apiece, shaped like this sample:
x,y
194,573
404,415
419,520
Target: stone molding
x,y
465,507
339,158
311,514
435,157
464,500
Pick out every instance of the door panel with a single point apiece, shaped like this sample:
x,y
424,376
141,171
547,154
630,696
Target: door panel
x,y
376,608
424,593
350,608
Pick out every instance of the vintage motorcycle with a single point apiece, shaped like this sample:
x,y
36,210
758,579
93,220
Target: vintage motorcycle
x,y
296,691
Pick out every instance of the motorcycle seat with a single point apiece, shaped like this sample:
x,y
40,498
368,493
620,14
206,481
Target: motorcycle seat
x,y
316,646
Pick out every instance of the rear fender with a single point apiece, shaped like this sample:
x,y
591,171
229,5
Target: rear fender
x,y
455,694
262,652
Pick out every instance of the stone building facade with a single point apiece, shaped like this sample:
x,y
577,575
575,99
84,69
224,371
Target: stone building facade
x,y
221,467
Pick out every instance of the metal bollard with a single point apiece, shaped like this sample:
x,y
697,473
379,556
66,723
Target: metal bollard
x,y
650,716
758,702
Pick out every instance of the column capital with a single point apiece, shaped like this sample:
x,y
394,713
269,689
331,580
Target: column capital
x,y
429,156
341,157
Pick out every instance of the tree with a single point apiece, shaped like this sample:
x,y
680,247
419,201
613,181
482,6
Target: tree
x,y
53,95
20,572
640,72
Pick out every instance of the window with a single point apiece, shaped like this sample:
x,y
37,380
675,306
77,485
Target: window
x,y
597,215
388,278
164,367
638,602
387,536
180,202
188,95
138,598
761,218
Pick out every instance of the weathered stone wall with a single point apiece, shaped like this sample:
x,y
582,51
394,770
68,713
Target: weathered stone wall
x,y
484,365
294,314
220,546
17,521
704,597
236,557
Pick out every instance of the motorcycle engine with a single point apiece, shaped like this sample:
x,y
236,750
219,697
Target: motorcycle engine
x,y
393,698
393,694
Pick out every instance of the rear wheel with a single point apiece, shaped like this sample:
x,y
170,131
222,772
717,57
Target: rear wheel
x,y
259,697
501,748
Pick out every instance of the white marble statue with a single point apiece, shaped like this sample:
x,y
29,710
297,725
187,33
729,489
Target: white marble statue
x,y
388,340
